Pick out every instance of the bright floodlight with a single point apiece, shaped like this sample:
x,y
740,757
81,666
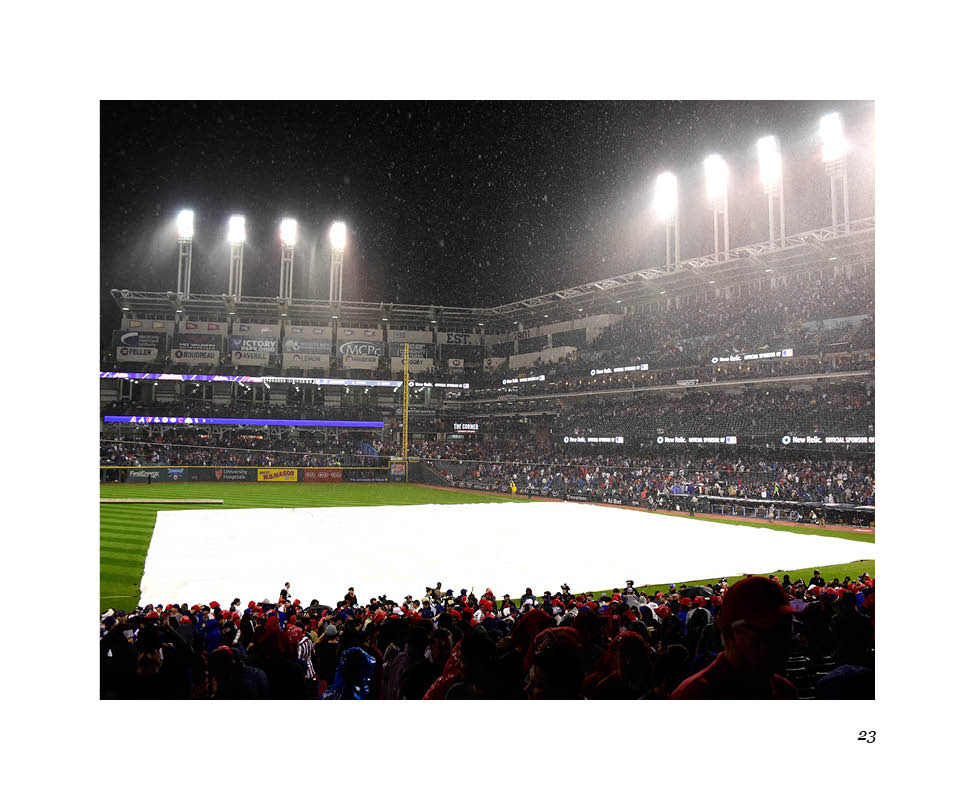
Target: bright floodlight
x,y
831,133
289,232
715,177
665,196
769,161
235,230
336,235
184,224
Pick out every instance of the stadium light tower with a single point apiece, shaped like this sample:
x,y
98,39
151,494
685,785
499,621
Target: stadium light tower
x,y
835,147
770,171
336,237
716,184
289,236
236,236
665,206
184,236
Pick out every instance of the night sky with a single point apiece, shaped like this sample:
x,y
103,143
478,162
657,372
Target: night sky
x,y
449,203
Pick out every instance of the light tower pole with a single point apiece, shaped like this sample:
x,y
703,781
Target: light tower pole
x,y
336,237
665,204
770,171
184,236
716,180
835,147
236,236
289,235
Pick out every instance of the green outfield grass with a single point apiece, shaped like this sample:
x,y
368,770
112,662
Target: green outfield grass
x,y
127,528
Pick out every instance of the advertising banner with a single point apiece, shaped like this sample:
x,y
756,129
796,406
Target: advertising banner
x,y
416,350
306,360
234,474
360,348
211,357
452,337
141,339
197,348
301,344
198,341
250,357
322,475
455,364
195,326
136,353
410,336
357,361
416,364
397,470
160,474
276,475
697,440
254,344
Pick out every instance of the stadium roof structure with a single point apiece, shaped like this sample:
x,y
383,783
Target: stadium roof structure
x,y
852,245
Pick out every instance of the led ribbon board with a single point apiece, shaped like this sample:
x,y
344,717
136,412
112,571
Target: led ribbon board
x,y
298,423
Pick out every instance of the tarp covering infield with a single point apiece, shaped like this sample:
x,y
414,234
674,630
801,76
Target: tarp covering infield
x,y
203,555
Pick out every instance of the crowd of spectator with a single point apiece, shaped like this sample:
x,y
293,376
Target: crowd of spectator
x,y
758,638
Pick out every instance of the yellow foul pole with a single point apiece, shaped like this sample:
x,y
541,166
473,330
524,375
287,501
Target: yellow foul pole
x,y
406,409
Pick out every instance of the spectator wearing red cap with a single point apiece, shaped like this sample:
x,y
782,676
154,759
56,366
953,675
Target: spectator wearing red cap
x,y
756,629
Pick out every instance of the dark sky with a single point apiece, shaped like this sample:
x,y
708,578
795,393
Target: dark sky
x,y
450,203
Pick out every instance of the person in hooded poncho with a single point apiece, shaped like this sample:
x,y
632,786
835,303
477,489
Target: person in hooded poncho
x,y
352,675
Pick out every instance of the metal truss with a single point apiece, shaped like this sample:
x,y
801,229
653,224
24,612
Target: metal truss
x,y
797,252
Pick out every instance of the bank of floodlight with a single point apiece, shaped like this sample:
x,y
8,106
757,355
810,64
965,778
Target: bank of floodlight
x,y
235,230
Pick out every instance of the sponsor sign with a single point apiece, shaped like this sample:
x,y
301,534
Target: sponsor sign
x,y
198,341
789,439
592,439
162,474
233,474
734,359
452,337
141,339
374,335
697,440
354,478
423,385
254,344
416,364
295,344
277,475
195,356
322,475
618,370
249,357
306,360
466,427
416,350
455,364
136,353
410,336
362,361
397,468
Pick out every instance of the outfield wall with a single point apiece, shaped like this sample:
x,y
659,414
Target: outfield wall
x,y
190,474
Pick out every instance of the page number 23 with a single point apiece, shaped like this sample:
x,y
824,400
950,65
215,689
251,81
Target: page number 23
x,y
867,736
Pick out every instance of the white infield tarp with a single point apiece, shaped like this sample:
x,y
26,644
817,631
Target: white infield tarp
x,y
218,554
